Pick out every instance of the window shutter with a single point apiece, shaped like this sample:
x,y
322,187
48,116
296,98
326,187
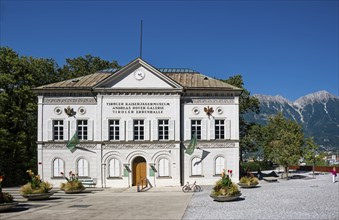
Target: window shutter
x,y
228,129
81,167
73,127
171,130
203,129
130,130
49,130
188,130
147,130
155,130
90,130
212,129
56,167
66,130
121,130
116,167
86,173
104,130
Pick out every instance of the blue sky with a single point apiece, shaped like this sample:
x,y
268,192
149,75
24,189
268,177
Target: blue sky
x,y
287,48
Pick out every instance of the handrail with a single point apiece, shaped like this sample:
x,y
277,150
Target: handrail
x,y
144,183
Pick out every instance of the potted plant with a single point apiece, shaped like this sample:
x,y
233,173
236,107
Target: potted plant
x,y
248,181
36,189
224,189
6,199
73,185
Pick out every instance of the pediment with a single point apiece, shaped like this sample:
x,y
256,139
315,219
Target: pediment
x,y
138,75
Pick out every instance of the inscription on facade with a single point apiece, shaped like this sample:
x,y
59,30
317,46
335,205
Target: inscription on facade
x,y
209,101
138,146
69,101
138,107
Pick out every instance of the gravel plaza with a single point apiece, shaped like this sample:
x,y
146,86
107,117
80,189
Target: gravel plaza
x,y
302,197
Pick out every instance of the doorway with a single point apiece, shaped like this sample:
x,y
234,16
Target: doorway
x,y
139,171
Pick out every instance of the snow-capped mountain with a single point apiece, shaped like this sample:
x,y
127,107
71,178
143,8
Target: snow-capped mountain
x,y
317,112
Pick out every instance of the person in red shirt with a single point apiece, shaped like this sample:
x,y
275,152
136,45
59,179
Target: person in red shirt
x,y
334,174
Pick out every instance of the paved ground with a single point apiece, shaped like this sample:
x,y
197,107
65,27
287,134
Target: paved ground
x,y
301,198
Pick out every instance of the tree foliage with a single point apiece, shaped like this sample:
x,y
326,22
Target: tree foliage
x,y
18,109
248,103
18,105
88,64
283,141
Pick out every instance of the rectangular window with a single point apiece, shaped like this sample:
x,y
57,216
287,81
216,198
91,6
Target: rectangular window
x,y
82,129
196,128
163,128
138,129
58,130
113,130
219,129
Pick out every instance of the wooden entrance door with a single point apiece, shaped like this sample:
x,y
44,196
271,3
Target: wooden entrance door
x,y
139,170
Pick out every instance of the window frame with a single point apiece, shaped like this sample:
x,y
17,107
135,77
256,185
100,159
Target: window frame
x,y
197,168
221,164
58,130
60,167
115,169
83,167
138,129
163,129
162,170
196,127
82,129
114,129
219,129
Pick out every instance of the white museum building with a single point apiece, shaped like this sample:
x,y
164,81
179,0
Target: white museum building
x,y
134,124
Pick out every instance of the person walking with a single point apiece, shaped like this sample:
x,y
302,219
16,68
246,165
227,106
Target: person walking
x,y
334,174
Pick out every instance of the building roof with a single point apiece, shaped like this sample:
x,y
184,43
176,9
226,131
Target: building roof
x,y
83,82
187,78
197,80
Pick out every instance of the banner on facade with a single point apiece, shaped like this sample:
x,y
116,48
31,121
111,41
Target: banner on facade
x,y
190,148
71,144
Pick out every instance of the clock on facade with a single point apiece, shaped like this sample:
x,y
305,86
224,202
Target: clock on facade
x,y
139,75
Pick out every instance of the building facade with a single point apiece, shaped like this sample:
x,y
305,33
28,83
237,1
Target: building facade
x,y
134,125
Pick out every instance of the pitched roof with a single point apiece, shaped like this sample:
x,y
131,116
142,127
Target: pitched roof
x,y
187,78
83,82
199,81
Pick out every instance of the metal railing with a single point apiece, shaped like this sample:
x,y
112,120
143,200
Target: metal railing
x,y
142,184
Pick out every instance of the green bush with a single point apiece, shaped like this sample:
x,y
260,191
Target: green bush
x,y
256,166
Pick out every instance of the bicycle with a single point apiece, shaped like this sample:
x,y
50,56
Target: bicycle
x,y
186,188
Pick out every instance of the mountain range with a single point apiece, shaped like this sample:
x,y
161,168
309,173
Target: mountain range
x,y
317,113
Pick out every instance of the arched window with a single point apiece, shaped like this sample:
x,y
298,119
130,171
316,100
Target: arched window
x,y
58,167
219,165
163,168
196,166
82,167
114,168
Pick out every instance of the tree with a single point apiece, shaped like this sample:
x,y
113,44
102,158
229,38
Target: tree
x,y
248,103
283,141
254,139
18,105
86,65
311,153
18,111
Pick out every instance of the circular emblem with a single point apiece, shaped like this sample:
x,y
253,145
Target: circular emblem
x,y
139,75
82,110
58,110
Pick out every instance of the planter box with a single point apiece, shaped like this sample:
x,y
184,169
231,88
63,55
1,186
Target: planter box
x,y
38,196
225,198
6,206
74,191
244,185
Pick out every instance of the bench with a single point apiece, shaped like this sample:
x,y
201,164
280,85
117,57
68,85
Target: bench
x,y
270,179
88,182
